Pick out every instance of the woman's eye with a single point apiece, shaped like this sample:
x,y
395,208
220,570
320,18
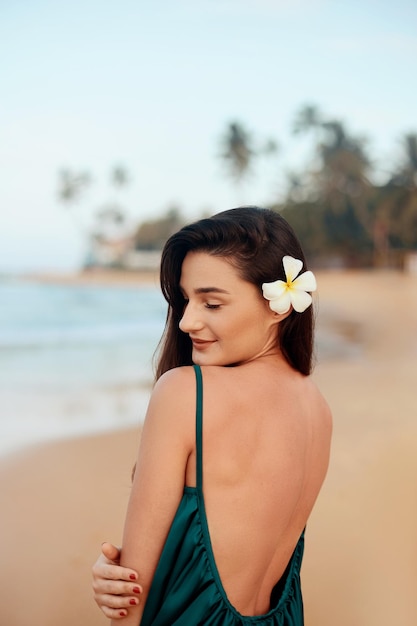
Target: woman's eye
x,y
212,306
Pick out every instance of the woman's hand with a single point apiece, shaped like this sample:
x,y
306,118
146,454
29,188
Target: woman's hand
x,y
115,587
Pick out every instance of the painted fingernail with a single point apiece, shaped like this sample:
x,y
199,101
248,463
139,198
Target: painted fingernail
x,y
136,589
133,601
122,613
132,577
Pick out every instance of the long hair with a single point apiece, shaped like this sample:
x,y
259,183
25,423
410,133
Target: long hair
x,y
254,240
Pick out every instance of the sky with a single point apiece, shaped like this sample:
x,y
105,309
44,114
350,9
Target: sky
x,y
90,84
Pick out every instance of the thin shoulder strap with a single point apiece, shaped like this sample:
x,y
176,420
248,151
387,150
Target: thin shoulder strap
x,y
199,426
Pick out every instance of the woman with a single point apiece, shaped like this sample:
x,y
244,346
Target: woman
x,y
235,444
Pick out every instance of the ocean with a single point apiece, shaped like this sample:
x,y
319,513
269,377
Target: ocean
x,y
78,359
74,359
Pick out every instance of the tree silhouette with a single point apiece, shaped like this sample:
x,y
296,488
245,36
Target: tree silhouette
x,y
344,165
105,225
333,204
237,151
120,176
398,198
110,218
336,184
71,187
308,117
152,234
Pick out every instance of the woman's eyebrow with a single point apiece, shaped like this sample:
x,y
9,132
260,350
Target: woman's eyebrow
x,y
200,290
210,290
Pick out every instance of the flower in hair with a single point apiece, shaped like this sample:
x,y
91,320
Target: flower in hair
x,y
294,291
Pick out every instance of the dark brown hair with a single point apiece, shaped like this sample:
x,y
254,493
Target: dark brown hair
x,y
254,240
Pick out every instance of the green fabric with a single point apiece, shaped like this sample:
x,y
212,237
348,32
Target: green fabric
x,y
187,590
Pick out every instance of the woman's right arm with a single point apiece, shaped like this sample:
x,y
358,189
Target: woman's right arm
x,y
166,443
115,588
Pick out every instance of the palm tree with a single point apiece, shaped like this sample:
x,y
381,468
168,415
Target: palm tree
x,y
71,186
308,120
120,176
344,161
238,150
408,170
337,182
308,117
399,197
111,217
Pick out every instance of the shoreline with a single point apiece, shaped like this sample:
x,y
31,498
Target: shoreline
x,y
93,277
115,277
69,416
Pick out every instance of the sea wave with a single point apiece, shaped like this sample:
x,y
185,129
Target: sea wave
x,y
38,316
41,338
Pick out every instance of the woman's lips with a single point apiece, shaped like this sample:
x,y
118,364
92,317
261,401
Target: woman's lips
x,y
200,344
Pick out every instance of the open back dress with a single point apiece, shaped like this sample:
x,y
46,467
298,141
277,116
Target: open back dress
x,y
186,589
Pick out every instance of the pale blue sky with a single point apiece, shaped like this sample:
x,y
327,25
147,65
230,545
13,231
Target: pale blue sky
x,y
91,83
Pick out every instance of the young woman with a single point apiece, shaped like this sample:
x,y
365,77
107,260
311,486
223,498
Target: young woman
x,y
235,444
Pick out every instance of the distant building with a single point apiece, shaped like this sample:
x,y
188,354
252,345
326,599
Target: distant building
x,y
120,253
146,260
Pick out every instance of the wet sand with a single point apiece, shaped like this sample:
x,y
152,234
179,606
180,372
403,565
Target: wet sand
x,y
59,501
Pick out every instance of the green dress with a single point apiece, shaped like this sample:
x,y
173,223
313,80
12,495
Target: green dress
x,y
187,590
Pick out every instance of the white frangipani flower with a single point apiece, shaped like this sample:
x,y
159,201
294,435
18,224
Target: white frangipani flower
x,y
282,295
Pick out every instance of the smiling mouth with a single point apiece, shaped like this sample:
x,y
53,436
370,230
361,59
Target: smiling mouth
x,y
201,343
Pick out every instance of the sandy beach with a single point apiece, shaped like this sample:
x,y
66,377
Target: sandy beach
x,y
59,501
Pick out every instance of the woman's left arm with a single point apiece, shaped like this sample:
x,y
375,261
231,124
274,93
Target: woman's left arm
x,y
168,438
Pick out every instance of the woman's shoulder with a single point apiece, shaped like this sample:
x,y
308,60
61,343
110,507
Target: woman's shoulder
x,y
172,405
176,385
184,377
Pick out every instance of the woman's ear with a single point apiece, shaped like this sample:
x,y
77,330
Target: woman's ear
x,y
279,317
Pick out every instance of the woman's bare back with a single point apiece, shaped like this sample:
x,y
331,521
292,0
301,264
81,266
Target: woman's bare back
x,y
266,440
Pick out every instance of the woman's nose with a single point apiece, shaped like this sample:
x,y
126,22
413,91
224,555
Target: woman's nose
x,y
190,320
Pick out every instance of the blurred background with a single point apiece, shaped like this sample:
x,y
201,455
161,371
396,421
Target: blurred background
x,y
120,122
